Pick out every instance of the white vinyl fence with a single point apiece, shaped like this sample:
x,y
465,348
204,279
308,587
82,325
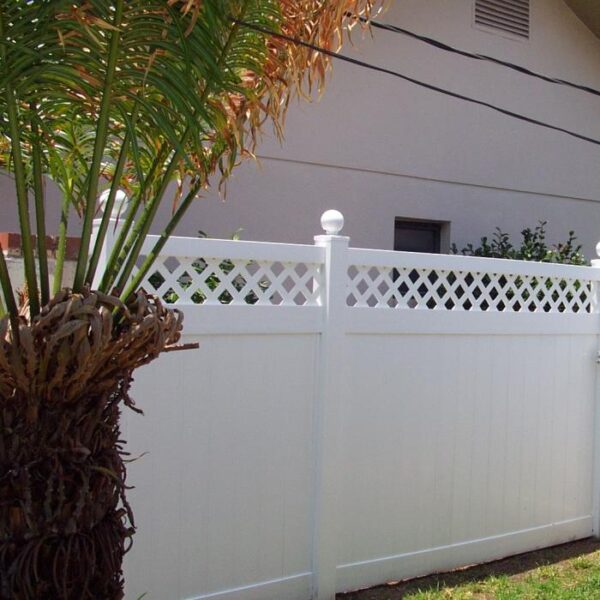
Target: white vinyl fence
x,y
358,416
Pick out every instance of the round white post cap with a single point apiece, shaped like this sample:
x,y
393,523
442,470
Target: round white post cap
x,y
121,199
332,222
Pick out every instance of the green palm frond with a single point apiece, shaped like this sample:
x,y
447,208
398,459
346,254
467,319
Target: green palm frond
x,y
135,94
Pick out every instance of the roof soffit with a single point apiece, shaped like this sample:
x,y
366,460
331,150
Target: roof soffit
x,y
588,11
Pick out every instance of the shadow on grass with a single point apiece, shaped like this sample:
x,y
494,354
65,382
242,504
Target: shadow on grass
x,y
508,567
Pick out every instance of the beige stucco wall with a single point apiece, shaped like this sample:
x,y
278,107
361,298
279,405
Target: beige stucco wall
x,y
378,148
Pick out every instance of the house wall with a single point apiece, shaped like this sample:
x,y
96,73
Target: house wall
x,y
377,148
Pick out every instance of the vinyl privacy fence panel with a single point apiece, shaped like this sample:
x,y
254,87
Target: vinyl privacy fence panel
x,y
224,496
458,457
357,416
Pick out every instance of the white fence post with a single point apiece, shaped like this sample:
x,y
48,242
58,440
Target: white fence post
x,y
596,474
114,224
329,399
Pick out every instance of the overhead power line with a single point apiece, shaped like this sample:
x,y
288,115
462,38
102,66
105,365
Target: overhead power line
x,y
423,84
484,57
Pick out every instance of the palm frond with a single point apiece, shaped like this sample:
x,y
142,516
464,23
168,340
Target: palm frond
x,y
200,86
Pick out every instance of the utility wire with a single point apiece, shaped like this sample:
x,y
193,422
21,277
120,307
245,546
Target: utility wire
x,y
423,84
484,57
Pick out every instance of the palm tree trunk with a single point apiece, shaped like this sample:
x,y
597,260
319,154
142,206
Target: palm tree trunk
x,y
65,523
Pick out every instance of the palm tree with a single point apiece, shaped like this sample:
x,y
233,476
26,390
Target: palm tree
x,y
100,96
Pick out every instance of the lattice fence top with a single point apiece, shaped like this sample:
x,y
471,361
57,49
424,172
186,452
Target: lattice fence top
x,y
440,289
217,272
238,281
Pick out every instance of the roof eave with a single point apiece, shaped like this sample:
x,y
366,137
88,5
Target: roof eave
x,y
589,12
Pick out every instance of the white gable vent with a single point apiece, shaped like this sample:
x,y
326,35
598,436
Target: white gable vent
x,y
511,16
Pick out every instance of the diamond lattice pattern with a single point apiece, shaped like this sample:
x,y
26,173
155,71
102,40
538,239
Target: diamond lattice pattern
x,y
238,281
437,289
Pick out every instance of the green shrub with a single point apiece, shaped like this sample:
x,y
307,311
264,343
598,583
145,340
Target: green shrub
x,y
533,247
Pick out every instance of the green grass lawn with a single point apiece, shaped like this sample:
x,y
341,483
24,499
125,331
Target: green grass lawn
x,y
567,572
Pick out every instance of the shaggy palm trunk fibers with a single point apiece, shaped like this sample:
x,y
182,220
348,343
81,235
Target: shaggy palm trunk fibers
x,y
65,523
